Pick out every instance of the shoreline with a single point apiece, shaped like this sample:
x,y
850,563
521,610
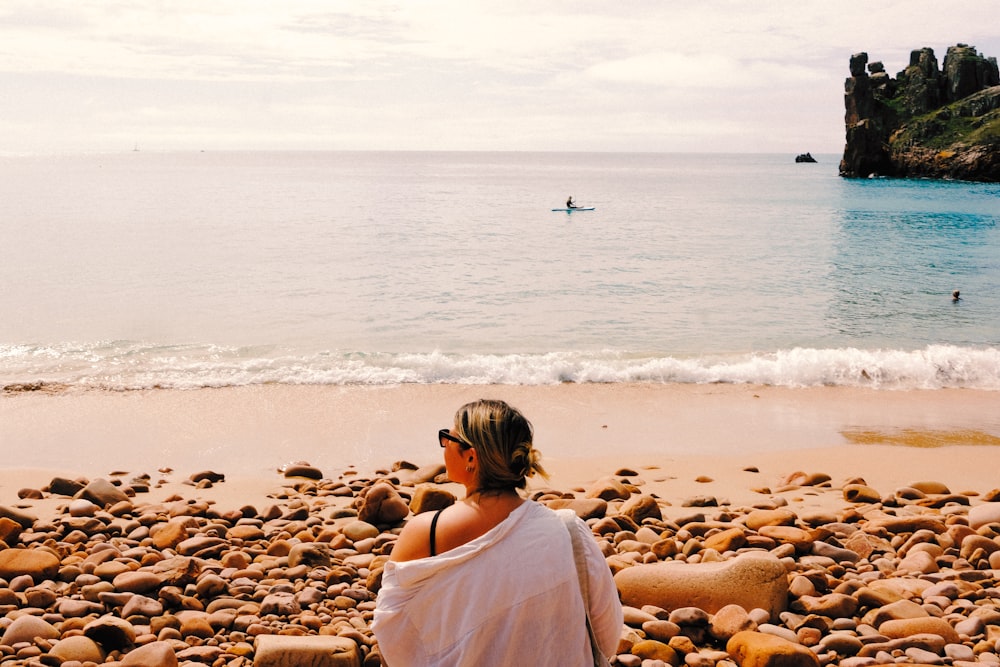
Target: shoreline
x,y
670,433
185,560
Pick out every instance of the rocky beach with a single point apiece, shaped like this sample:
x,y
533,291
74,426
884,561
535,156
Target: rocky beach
x,y
835,554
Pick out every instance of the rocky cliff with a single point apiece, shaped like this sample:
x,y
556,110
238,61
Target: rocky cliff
x,y
928,121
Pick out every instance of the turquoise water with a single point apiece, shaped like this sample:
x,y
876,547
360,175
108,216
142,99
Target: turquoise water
x,y
141,269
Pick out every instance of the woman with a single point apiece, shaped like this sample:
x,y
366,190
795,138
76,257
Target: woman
x,y
491,580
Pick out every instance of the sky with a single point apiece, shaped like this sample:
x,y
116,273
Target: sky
x,y
507,75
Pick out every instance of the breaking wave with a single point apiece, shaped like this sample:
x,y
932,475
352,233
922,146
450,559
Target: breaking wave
x,y
135,366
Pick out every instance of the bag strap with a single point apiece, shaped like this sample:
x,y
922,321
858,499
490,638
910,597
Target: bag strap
x,y
569,520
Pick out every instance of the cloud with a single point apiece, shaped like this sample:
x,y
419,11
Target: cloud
x,y
673,70
454,74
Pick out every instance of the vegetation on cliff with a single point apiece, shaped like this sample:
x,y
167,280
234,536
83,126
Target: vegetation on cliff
x,y
927,122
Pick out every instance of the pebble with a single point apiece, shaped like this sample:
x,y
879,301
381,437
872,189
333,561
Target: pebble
x,y
909,576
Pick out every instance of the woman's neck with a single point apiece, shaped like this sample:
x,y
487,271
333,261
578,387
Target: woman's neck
x,y
477,496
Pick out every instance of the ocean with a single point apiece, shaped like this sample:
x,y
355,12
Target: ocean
x,y
144,269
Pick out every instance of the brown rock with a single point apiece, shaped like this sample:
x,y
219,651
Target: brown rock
x,y
201,545
154,654
831,605
172,533
585,508
24,518
429,497
309,553
62,486
137,582
641,507
729,620
905,524
111,632
880,599
25,629
751,580
608,488
316,651
756,649
650,649
865,545
10,531
195,624
207,476
280,604
801,539
303,470
860,493
381,504
360,530
973,542
79,648
757,519
985,514
140,605
428,473
661,630
918,562
102,493
726,540
36,563
931,487
246,533
932,625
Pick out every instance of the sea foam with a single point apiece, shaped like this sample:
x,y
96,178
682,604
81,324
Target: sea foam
x,y
132,366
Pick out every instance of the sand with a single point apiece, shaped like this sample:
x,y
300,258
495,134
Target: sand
x,y
710,455
683,440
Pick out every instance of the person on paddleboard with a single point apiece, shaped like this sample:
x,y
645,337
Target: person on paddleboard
x,y
569,202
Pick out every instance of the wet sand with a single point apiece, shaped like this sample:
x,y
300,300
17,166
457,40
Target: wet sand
x,y
677,433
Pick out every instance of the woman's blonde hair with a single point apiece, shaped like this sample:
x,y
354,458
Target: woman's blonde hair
x,y
502,437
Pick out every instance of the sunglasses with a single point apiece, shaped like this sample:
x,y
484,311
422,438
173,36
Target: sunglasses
x,y
445,434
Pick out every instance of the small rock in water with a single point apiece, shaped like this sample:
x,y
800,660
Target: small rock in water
x,y
303,470
207,475
860,493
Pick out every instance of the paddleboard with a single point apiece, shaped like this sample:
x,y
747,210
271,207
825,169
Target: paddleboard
x,y
578,208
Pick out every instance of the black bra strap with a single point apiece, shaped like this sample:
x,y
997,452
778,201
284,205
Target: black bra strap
x,y
434,522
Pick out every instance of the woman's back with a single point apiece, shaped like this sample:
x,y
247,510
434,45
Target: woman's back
x,y
508,597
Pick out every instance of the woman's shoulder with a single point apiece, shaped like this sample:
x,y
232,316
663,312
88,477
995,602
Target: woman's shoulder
x,y
414,540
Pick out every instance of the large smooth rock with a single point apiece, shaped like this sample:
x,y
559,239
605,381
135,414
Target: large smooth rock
x,y
428,498
758,649
585,508
980,515
751,580
111,632
37,563
382,504
102,493
641,507
79,648
25,629
311,651
907,627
